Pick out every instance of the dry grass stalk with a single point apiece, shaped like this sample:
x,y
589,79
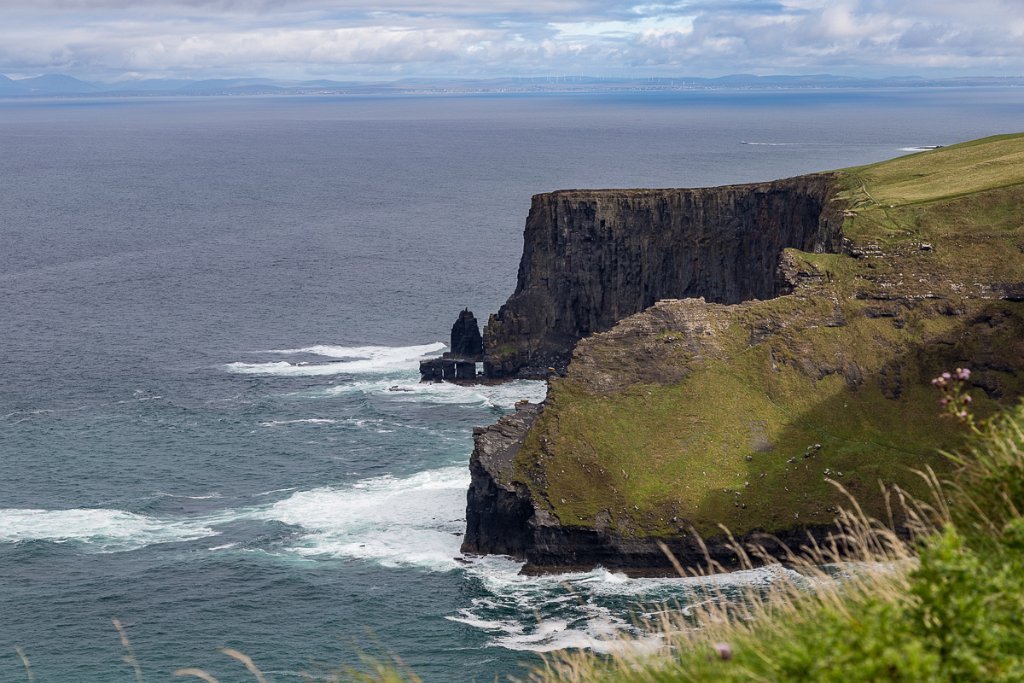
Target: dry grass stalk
x,y
247,661
198,673
28,666
862,558
129,658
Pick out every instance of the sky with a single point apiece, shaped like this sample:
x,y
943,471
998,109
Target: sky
x,y
350,40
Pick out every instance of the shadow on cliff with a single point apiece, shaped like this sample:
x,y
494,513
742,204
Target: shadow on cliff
x,y
879,428
873,425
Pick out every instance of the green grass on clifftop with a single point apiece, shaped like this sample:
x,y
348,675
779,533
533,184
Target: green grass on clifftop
x,y
948,610
707,415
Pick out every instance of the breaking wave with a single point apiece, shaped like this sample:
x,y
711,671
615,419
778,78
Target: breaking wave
x,y
99,530
592,610
350,360
411,521
502,396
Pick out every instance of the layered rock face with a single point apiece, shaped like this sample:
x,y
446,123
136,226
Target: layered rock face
x,y
499,510
593,257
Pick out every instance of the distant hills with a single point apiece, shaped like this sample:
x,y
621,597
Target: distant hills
x,y
62,85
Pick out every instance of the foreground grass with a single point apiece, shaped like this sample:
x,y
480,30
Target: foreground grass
x,y
947,605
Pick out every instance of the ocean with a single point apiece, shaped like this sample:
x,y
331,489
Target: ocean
x,y
206,305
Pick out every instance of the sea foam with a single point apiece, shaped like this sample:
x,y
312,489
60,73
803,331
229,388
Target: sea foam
x,y
350,360
99,530
500,396
411,521
590,609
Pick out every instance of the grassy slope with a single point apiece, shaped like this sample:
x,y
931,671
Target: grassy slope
x,y
726,443
951,614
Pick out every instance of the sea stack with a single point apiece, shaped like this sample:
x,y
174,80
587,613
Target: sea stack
x,y
458,364
467,342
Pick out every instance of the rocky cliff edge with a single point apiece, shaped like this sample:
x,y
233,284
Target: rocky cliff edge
x,y
694,415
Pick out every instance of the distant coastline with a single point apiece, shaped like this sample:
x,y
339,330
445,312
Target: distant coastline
x,y
62,85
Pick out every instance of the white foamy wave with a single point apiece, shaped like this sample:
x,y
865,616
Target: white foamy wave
x,y
582,626
205,496
226,546
599,610
273,491
353,360
358,352
412,521
601,632
101,530
922,148
502,396
308,420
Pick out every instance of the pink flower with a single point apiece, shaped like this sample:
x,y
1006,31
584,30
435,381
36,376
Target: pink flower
x,y
963,374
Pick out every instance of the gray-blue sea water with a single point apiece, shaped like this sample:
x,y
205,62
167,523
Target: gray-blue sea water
x,y
205,304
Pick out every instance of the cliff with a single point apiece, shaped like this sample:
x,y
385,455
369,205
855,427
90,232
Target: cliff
x,y
593,257
805,358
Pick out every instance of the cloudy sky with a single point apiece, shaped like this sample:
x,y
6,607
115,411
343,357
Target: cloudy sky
x,y
350,39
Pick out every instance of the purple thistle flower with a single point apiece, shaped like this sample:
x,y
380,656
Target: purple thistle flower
x,y
723,650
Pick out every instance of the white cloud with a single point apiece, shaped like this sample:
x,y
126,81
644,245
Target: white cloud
x,y
465,37
620,28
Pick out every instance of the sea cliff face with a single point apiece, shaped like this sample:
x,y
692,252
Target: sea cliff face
x,y
799,375
593,257
500,510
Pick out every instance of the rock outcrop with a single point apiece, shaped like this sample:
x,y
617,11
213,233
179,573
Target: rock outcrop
x,y
459,363
593,257
499,511
466,341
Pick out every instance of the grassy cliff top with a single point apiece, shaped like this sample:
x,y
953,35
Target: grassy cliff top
x,y
963,200
944,173
695,414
